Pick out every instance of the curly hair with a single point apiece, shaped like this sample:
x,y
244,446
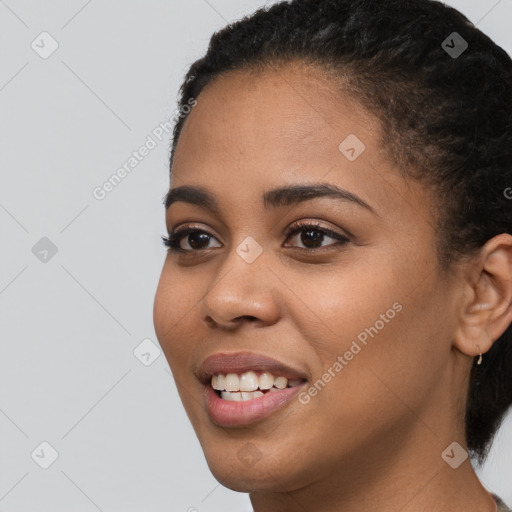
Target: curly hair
x,y
445,121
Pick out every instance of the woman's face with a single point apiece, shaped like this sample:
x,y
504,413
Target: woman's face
x,y
363,317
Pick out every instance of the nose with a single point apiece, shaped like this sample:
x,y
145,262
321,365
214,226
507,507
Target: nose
x,y
241,292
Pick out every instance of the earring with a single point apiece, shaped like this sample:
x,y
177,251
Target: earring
x,y
479,362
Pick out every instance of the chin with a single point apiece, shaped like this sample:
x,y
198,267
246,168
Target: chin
x,y
246,469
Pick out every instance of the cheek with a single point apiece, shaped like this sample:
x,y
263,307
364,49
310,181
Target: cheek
x,y
341,306
162,320
391,355
173,310
383,321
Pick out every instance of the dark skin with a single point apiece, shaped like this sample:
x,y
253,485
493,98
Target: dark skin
x,y
372,439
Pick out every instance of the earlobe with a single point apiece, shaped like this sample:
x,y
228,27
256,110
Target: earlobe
x,y
487,311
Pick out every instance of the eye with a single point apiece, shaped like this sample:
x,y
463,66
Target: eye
x,y
314,233
197,239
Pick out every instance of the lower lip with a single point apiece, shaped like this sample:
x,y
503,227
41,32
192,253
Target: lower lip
x,y
229,414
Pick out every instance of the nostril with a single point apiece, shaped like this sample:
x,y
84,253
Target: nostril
x,y
234,324
210,321
246,317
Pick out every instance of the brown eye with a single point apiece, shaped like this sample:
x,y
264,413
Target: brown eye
x,y
197,240
312,235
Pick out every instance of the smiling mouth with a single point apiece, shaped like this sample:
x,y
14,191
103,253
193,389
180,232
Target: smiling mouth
x,y
242,387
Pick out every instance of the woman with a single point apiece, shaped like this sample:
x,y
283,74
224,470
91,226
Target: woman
x,y
335,304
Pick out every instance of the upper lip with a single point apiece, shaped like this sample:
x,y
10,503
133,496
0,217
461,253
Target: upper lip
x,y
240,362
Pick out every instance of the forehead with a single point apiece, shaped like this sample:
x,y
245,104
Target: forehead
x,y
276,120
290,110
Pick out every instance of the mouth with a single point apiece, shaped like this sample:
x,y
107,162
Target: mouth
x,y
250,385
244,388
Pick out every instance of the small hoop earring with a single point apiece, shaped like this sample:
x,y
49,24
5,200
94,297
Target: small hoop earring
x,y
479,362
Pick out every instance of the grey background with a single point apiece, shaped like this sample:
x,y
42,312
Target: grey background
x,y
69,324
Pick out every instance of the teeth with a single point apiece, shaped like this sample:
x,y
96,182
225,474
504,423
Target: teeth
x,y
232,382
251,395
266,380
219,382
232,397
248,384
237,396
249,381
280,382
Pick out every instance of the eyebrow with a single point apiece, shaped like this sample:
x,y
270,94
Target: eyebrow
x,y
276,198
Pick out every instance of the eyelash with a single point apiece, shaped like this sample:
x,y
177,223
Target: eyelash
x,y
172,242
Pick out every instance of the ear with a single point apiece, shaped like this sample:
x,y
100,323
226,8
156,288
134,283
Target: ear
x,y
487,309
